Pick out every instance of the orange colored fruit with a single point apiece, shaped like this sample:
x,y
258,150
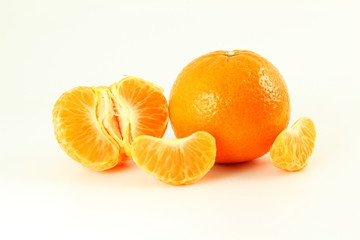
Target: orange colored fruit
x,y
96,125
177,162
237,96
293,147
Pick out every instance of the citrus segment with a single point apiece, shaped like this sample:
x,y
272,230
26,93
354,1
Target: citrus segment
x,y
177,162
141,107
96,125
293,147
80,134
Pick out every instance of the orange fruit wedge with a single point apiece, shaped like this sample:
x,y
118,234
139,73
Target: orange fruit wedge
x,y
96,125
293,146
177,162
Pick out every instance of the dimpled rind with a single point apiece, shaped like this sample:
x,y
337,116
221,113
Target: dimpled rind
x,y
239,97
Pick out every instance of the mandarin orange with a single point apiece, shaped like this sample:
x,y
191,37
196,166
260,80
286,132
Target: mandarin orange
x,y
237,96
96,125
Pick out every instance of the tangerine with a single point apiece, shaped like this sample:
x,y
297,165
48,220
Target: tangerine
x,y
237,96
96,125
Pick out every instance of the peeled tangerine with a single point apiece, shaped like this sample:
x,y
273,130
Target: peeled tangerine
x,y
96,125
177,162
293,146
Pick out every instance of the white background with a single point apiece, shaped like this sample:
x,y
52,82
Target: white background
x,y
48,47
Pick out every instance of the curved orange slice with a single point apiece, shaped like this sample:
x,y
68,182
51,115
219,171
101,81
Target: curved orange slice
x,y
96,125
294,145
177,162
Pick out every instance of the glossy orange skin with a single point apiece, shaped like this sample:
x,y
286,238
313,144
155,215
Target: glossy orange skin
x,y
239,97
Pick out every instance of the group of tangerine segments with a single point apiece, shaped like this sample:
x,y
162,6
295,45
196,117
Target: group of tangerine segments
x,y
101,127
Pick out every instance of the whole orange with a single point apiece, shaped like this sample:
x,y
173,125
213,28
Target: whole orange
x,y
238,96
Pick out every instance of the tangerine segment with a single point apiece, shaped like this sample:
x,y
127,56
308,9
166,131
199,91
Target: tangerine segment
x,y
80,134
141,108
293,147
177,162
